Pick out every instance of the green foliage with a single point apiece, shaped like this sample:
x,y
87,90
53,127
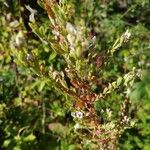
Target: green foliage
x,y
81,81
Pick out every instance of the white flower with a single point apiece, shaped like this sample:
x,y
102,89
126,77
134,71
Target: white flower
x,y
20,39
140,63
32,11
71,39
127,92
14,24
29,57
76,126
109,112
77,114
127,36
126,119
9,16
70,28
56,33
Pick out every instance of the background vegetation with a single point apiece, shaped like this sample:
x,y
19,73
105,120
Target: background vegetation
x,y
74,75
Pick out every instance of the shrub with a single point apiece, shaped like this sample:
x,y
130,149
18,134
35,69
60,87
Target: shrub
x,y
75,83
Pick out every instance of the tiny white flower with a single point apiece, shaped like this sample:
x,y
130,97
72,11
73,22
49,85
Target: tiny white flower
x,y
140,63
127,36
126,119
56,33
9,16
125,59
109,112
14,24
94,39
54,74
70,28
127,92
20,39
76,126
29,57
71,39
77,114
31,17
148,64
102,111
32,11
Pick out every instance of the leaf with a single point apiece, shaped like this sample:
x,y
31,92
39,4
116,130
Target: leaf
x,y
72,147
146,77
6,143
30,137
147,89
52,56
42,84
119,81
58,128
139,91
17,148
